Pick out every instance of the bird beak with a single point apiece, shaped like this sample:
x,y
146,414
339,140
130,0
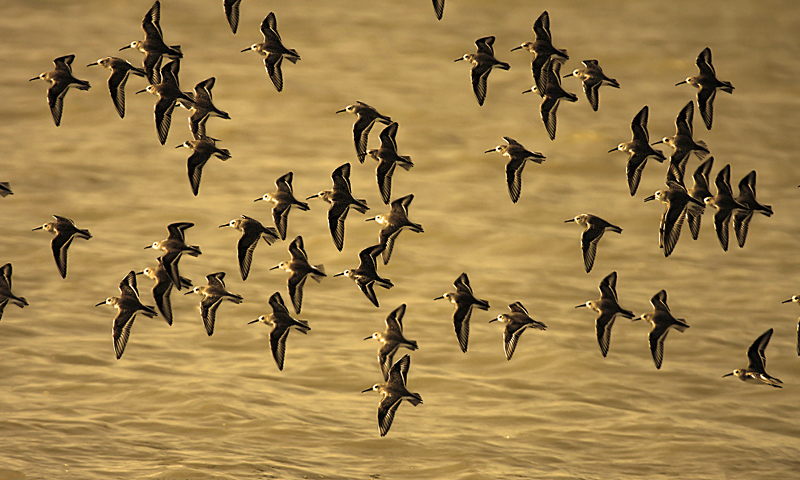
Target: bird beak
x,y
95,63
490,151
459,58
190,291
581,305
246,49
39,228
101,303
224,225
656,143
681,83
254,321
528,90
439,298
727,375
140,273
516,48
259,198
368,338
613,150
493,320
312,196
141,91
785,301
149,246
367,390
367,220
651,197
569,221
339,274
276,266
567,75
341,111
34,78
124,48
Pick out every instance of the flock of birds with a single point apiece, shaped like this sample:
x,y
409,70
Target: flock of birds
x,y
680,203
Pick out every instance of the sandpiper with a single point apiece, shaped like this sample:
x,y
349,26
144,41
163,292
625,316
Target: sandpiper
x,y
231,8
464,300
392,339
553,94
273,50
281,323
795,299
517,155
707,83
366,275
682,143
120,70
283,199
388,159
639,149
5,290
678,203
747,197
516,322
203,107
251,230
699,192
542,50
392,393
65,231
661,320
756,369
153,45
203,148
593,229
300,269
213,294
127,305
365,119
340,199
592,77
162,289
60,80
725,204
607,308
168,92
482,63
393,223
174,246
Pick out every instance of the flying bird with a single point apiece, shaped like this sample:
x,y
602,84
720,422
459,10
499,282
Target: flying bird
x,y
120,71
464,300
725,205
153,45
388,160
366,275
340,199
168,92
203,107
747,197
5,290
553,94
699,192
65,231
284,200
393,392
393,223
162,289
482,63
366,117
707,84
639,149
203,148
756,370
517,155
60,80
252,230
543,50
607,308
516,322
678,203
592,78
213,294
281,323
174,246
593,229
300,270
661,320
127,305
392,339
683,144
273,50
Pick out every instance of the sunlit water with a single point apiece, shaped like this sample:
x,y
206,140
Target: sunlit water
x,y
181,405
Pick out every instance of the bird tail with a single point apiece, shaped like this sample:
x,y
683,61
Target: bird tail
x,y
726,87
360,205
317,272
223,154
293,56
384,282
193,250
82,84
614,228
503,65
626,313
407,164
680,325
416,227
302,206
482,304
415,399
303,326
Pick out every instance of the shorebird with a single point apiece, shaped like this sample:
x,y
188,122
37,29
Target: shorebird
x,y
464,301
231,8
592,77
300,270
393,223
283,199
393,392
340,199
747,197
683,144
543,50
794,299
516,322
707,83
639,149
273,50
366,275
281,323
251,230
365,119
60,80
5,290
388,160
725,204
162,289
517,155
661,320
678,203
120,71
553,94
127,305
203,148
482,63
392,339
203,107
153,45
168,92
593,229
65,231
213,295
174,246
607,308
699,192
756,369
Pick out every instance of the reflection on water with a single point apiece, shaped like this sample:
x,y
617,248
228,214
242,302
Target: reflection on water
x,y
181,404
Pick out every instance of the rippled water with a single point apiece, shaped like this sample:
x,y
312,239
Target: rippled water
x,y
182,405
